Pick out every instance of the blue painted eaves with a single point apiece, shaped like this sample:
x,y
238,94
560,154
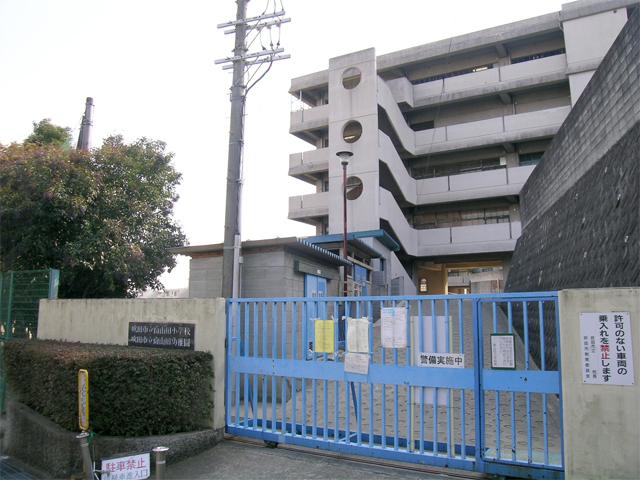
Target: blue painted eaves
x,y
382,236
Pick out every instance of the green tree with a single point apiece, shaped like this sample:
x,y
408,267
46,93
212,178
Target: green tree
x,y
104,218
46,133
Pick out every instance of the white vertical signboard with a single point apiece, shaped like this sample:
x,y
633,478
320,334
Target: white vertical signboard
x,y
358,335
356,359
607,350
503,351
394,327
433,356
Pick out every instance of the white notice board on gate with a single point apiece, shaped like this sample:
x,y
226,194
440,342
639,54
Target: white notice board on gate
x,y
607,348
427,357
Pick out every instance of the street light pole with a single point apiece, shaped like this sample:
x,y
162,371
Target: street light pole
x,y
344,161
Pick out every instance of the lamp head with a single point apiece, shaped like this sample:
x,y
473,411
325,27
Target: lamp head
x,y
344,157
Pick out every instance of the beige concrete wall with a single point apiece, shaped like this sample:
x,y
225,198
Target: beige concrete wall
x,y
106,321
601,422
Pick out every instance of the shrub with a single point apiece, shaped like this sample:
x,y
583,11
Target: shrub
x,y
132,391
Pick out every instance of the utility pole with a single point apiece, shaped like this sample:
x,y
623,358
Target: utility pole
x,y
236,133
241,62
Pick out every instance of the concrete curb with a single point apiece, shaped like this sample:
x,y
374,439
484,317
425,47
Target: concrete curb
x,y
39,442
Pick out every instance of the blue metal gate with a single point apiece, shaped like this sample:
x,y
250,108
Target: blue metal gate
x,y
495,409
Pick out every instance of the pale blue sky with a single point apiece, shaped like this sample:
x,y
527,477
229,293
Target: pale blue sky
x,y
148,64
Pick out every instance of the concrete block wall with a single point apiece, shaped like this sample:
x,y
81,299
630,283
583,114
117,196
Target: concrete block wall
x,y
205,277
590,236
265,274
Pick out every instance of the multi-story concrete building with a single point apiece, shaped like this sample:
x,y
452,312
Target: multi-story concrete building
x,y
443,136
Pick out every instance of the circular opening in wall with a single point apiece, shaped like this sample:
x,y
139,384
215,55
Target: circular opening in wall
x,y
352,131
351,78
354,188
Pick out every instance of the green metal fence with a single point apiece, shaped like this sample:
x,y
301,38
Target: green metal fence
x,y
20,294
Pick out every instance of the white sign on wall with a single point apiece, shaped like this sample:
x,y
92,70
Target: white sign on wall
x,y
126,468
607,350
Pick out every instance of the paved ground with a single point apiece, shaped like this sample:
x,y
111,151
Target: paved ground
x,y
11,469
249,460
235,460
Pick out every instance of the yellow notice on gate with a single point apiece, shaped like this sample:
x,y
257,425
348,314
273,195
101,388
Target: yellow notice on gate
x,y
324,336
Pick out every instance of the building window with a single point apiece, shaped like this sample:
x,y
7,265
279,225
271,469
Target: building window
x,y
530,158
433,78
536,56
460,218
354,188
351,78
352,131
360,281
419,126
433,171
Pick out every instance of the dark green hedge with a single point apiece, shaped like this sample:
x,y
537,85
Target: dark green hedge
x,y
132,391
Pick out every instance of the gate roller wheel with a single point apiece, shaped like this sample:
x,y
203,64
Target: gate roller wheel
x,y
270,444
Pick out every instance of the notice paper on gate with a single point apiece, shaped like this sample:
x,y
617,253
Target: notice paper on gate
x,y
324,331
358,335
394,327
356,363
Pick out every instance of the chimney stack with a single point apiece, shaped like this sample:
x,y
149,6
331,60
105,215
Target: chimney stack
x,y
85,126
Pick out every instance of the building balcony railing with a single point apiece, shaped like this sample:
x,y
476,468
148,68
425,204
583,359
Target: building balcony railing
x,y
492,131
309,119
508,128
304,165
492,237
464,186
459,240
474,185
549,69
303,207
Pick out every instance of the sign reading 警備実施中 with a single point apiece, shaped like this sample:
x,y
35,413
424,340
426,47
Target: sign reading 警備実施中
x,y
607,350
